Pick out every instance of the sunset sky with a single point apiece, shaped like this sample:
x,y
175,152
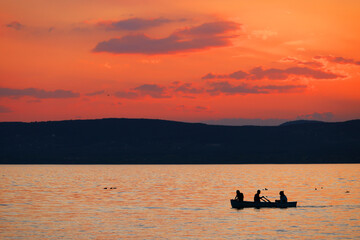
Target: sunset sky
x,y
196,61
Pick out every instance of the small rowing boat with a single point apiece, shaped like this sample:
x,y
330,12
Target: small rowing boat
x,y
248,204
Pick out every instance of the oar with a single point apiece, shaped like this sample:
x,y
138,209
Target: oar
x,y
266,199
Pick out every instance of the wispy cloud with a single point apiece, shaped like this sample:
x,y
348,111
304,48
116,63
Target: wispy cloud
x,y
260,73
207,35
133,24
211,29
230,89
185,108
227,88
312,63
152,90
187,88
95,93
37,93
339,60
15,25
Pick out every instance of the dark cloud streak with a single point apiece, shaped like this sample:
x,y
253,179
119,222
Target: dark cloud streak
x,y
95,93
152,90
227,88
259,73
205,36
339,60
37,93
15,25
134,24
224,87
211,29
187,88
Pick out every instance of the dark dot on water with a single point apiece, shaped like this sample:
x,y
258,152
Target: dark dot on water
x,y
105,187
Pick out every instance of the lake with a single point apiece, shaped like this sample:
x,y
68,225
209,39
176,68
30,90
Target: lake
x,y
177,201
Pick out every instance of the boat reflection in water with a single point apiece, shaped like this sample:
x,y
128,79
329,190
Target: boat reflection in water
x,y
248,204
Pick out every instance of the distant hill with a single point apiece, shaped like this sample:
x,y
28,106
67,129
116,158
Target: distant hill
x,y
147,141
300,122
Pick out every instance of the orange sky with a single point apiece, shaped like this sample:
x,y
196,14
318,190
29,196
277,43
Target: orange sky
x,y
179,60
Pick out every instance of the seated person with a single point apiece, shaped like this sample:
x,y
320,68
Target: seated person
x,y
257,196
239,196
283,198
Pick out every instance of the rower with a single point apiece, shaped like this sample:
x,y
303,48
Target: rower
x,y
257,196
239,196
283,198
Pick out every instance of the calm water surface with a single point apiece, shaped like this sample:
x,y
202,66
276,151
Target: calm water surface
x,y
177,202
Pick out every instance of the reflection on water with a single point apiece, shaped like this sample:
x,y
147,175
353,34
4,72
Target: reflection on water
x,y
177,201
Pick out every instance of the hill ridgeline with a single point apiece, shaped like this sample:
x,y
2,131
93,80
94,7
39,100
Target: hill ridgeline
x,y
147,141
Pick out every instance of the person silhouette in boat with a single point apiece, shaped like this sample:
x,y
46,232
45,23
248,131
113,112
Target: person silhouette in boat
x,y
283,198
257,197
239,196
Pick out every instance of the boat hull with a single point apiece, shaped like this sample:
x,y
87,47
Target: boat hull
x,y
247,204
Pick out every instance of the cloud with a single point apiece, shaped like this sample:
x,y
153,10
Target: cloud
x,y
37,93
152,90
4,109
339,60
282,88
259,73
212,76
15,25
207,35
238,75
142,44
326,116
187,88
234,75
279,74
95,93
314,64
227,88
134,24
192,108
201,109
211,29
